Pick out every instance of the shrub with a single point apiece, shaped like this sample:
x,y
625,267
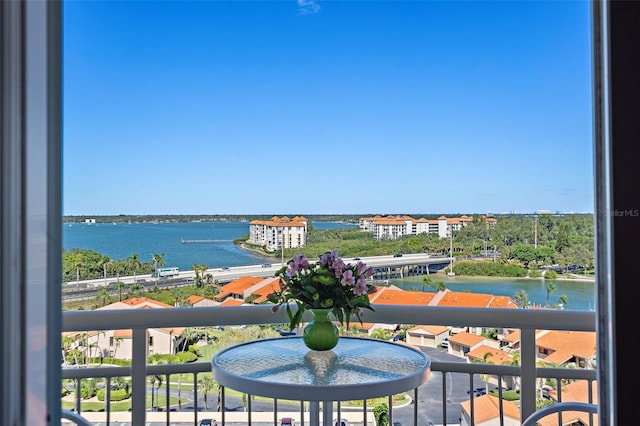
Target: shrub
x,y
162,358
186,357
116,394
507,395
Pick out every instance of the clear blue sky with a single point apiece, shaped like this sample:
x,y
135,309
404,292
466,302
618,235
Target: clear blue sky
x,y
303,107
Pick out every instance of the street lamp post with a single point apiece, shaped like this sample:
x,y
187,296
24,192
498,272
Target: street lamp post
x,y
153,381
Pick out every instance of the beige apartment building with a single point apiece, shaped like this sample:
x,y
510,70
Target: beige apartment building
x,y
279,232
393,227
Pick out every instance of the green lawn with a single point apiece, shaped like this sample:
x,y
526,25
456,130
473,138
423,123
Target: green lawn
x,y
88,406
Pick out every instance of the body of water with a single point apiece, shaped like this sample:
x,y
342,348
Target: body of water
x,y
121,240
580,294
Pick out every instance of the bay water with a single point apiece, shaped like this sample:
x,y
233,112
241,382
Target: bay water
x,y
121,240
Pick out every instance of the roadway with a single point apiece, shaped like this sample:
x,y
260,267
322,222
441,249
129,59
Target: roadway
x,y
85,289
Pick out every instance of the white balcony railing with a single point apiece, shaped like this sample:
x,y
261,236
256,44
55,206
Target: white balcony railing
x,y
527,321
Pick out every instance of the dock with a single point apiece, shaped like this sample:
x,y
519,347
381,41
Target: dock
x,y
205,241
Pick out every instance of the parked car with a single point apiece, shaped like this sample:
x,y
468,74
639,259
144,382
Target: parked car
x,y
207,422
266,265
445,343
286,421
397,255
343,422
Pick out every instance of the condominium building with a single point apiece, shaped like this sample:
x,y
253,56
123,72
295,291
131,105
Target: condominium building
x,y
393,227
279,232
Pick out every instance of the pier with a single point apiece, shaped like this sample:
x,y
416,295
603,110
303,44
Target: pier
x,y
205,241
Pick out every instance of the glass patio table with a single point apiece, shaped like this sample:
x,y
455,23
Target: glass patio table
x,y
356,369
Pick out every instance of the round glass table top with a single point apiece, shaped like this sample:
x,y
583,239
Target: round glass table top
x,y
357,368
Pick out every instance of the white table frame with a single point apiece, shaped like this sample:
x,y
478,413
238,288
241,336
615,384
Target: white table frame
x,y
385,377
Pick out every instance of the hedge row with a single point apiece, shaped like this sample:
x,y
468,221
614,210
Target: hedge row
x,y
116,394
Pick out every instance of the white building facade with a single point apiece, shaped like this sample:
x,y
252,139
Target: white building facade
x,y
394,227
279,232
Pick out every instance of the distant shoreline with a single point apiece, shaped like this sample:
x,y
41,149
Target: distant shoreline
x,y
257,252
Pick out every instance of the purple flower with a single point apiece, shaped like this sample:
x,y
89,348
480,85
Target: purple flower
x,y
347,278
361,287
298,264
328,258
338,267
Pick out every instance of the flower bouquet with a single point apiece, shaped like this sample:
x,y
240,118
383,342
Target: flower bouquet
x,y
329,284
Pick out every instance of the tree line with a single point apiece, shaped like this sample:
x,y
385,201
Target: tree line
x,y
529,242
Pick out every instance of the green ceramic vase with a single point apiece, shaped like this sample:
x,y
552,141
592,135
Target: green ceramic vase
x,y
320,334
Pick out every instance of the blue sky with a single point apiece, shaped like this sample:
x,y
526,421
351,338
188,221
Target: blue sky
x,y
343,107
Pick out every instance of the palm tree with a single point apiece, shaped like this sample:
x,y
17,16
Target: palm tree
x,y
118,342
106,261
522,299
67,342
135,263
551,288
120,286
157,381
103,295
158,260
207,384
188,335
137,289
78,264
563,300
485,377
427,281
199,271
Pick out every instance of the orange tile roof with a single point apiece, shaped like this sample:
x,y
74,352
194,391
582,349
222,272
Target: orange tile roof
x,y
466,339
576,392
487,407
146,302
231,302
467,300
271,285
237,286
123,334
567,344
512,337
281,221
497,356
502,302
194,298
389,296
429,329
